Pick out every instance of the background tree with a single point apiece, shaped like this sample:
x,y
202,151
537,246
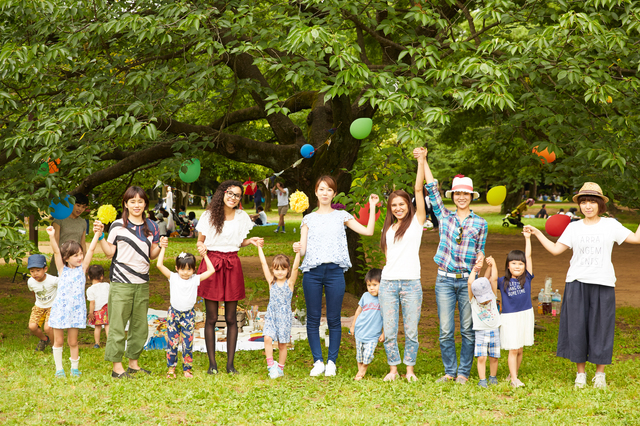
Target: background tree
x,y
112,87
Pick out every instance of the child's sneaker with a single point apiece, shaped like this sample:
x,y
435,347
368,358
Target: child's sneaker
x,y
273,371
318,369
581,380
493,380
96,346
482,383
330,370
75,372
599,381
60,374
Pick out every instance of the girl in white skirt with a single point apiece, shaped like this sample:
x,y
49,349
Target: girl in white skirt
x,y
517,319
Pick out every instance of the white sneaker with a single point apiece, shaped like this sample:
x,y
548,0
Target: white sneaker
x,y
318,369
273,371
581,380
331,369
599,381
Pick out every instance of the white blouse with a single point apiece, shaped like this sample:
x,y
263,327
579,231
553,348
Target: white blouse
x,y
233,232
326,240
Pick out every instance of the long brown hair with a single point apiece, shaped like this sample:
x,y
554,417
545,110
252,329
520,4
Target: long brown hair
x,y
390,219
216,206
130,193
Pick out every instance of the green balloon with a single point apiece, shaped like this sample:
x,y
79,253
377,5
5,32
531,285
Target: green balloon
x,y
361,128
190,170
44,169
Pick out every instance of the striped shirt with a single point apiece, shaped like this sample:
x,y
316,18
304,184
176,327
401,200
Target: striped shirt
x,y
130,263
451,255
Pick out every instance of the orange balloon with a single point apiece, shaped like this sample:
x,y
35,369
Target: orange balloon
x,y
545,156
53,165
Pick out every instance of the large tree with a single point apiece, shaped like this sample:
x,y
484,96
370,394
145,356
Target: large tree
x,y
110,87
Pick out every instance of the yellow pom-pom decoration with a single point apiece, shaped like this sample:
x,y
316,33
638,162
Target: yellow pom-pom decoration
x,y
107,213
299,202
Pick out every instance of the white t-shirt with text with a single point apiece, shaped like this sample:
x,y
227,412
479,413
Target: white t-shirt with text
x,y
45,291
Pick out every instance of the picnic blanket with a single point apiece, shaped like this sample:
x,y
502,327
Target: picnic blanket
x,y
157,320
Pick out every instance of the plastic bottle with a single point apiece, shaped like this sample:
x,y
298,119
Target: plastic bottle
x,y
546,304
556,302
294,230
540,297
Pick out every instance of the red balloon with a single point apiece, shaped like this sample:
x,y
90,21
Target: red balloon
x,y
363,215
556,224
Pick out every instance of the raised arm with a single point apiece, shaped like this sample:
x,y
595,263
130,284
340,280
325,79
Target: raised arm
x,y
421,210
553,248
370,228
265,267
163,269
294,268
253,240
493,279
108,248
210,269
86,262
427,170
56,249
634,238
527,250
472,278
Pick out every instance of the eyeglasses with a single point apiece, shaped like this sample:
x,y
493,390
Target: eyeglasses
x,y
459,237
233,195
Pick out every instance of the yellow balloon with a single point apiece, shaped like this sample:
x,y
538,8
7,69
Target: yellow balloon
x,y
496,195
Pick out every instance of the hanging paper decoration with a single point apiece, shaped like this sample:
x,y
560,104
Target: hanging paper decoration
x,y
361,128
545,156
307,150
556,224
496,195
107,214
59,210
190,170
299,202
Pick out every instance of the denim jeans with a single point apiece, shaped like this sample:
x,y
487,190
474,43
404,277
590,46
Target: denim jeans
x,y
391,295
448,292
329,276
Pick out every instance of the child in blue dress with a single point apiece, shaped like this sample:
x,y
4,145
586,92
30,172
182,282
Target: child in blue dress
x,y
69,309
277,326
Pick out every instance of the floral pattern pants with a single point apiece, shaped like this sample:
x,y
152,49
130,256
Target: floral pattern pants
x,y
180,324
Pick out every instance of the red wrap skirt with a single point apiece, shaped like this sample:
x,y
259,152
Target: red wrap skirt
x,y
227,283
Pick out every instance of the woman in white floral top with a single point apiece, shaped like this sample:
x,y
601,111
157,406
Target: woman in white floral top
x,y
323,242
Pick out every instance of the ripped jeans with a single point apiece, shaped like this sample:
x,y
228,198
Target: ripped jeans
x,y
391,295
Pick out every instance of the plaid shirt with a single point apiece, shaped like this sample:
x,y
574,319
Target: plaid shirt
x,y
451,255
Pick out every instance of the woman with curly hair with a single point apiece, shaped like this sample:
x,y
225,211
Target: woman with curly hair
x,y
222,230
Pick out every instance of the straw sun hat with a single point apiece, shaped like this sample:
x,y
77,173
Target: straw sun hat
x,y
590,188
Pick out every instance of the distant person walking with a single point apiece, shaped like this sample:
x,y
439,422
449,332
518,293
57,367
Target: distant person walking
x,y
283,204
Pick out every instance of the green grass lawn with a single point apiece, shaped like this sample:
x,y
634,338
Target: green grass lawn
x,y
34,396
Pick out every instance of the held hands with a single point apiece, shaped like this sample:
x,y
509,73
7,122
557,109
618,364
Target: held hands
x,y
420,153
256,240
531,230
98,227
260,244
164,242
477,267
51,231
297,246
479,258
202,249
490,261
527,233
373,200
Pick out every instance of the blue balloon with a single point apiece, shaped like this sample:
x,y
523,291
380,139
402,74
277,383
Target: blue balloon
x,y
307,150
59,211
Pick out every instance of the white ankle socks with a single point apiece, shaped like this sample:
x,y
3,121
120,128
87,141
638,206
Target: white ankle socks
x,y
74,363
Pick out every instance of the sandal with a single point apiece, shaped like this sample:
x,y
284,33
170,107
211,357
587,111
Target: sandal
x,y
188,374
390,377
411,378
445,379
171,373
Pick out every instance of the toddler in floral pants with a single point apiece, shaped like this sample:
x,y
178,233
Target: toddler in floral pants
x,y
183,287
